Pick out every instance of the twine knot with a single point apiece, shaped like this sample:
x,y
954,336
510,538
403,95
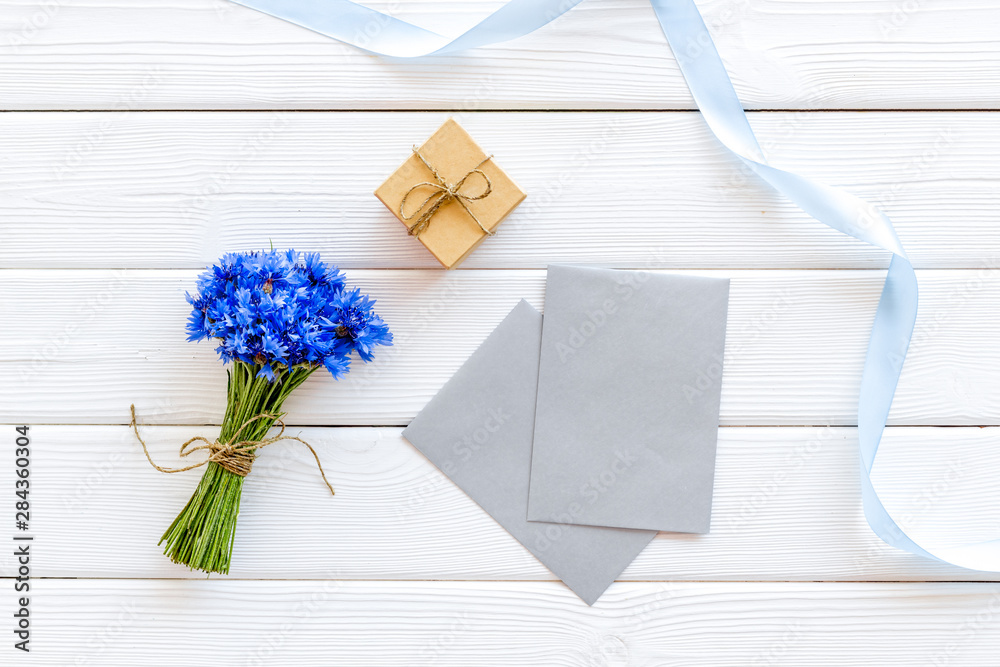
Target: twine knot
x,y
238,456
442,193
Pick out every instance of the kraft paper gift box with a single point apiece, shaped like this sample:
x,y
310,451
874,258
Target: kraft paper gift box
x,y
450,194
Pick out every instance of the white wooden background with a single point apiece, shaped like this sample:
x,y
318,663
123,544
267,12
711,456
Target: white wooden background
x,y
142,138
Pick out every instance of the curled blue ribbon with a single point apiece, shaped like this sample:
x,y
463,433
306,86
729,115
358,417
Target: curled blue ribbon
x,y
715,96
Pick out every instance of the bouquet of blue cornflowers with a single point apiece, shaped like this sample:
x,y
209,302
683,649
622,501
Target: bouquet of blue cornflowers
x,y
278,317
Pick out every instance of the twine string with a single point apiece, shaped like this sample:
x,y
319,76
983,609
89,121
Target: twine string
x,y
236,457
442,193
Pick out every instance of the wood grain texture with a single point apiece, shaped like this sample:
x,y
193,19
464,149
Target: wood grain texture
x,y
613,189
787,507
401,568
80,345
110,622
212,54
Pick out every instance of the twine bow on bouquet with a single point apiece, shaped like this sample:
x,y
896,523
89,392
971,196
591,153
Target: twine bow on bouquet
x,y
278,317
236,457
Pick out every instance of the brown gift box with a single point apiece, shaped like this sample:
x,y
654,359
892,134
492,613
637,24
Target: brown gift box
x,y
451,230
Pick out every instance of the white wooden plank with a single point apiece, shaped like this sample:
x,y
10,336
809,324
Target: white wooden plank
x,y
787,507
79,346
616,189
208,54
207,623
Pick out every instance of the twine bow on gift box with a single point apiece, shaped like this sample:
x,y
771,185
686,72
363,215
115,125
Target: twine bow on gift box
x,y
236,457
442,193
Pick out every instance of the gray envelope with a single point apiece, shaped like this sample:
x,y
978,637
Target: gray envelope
x,y
627,415
477,430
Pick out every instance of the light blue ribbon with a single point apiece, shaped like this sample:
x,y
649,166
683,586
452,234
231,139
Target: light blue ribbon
x,y
715,96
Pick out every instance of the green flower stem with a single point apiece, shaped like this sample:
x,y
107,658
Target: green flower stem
x,y
202,535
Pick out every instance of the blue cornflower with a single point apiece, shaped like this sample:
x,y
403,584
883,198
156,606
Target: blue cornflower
x,y
317,273
279,310
352,319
